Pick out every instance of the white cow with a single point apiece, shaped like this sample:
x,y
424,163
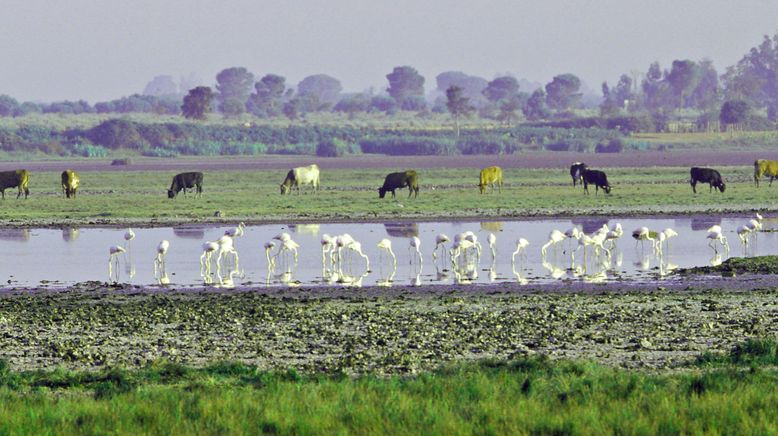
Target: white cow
x,y
301,176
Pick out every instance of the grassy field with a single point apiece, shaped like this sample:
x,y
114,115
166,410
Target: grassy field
x,y
115,197
724,393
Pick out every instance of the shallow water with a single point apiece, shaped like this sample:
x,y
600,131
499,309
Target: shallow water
x,y
61,257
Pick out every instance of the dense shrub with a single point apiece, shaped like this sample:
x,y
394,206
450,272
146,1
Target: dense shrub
x,y
88,150
409,145
613,146
331,148
116,133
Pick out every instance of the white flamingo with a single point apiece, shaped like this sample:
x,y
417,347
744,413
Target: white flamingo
x,y
205,259
717,237
113,257
159,260
440,240
415,244
554,237
521,245
492,240
386,244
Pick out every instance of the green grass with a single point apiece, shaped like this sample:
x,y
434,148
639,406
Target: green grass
x,y
116,196
527,395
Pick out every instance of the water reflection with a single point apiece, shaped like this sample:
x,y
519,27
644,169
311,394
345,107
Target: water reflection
x,y
70,234
402,230
18,235
492,226
700,223
190,232
590,225
305,229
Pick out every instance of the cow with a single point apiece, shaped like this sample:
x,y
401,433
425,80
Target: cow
x,y
576,172
183,181
596,178
706,175
394,181
764,167
490,176
13,179
301,176
70,182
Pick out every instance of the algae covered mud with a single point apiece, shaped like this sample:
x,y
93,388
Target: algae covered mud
x,y
61,257
399,330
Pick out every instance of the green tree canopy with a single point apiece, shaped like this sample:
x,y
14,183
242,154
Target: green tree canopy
x,y
321,87
562,92
501,88
197,103
458,105
405,82
234,86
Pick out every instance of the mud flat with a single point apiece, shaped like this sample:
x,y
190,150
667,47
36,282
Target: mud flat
x,y
383,331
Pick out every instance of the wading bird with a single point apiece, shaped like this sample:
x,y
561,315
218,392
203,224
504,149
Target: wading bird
x,y
415,244
159,261
386,244
554,237
440,240
113,257
521,244
205,259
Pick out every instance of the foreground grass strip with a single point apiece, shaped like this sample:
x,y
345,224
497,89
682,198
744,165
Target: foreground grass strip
x,y
530,395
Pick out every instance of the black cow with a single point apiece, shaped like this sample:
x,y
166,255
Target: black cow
x,y
706,175
596,178
186,180
400,180
576,172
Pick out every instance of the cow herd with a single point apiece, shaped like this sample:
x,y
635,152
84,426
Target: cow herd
x,y
489,177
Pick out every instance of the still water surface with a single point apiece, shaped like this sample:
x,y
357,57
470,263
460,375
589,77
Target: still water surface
x,y
61,257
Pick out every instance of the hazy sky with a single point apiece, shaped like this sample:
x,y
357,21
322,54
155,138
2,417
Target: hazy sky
x,y
104,49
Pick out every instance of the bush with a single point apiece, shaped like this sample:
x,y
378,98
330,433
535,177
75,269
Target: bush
x,y
332,148
88,150
613,146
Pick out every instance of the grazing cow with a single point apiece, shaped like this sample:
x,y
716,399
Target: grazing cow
x,y
301,176
706,175
394,181
576,172
13,179
764,167
490,176
183,181
596,178
70,182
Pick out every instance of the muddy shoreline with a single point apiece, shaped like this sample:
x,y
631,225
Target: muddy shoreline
x,y
651,325
502,215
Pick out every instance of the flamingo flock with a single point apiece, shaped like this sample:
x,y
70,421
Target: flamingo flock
x,y
590,256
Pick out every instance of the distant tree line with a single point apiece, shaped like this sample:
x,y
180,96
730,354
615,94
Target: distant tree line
x,y
657,94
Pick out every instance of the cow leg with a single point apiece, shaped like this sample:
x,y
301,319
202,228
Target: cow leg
x,y
771,180
694,186
586,188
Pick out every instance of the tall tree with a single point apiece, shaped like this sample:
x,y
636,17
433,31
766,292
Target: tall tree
x,y
324,89
458,105
707,93
472,86
161,85
234,86
535,108
501,88
562,92
404,83
8,105
267,99
733,112
683,77
197,103
656,91
755,76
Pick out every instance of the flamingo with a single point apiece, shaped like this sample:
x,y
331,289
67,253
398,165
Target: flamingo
x,y
159,261
492,240
269,246
613,234
440,239
386,244
470,236
129,235
236,231
554,237
113,256
460,247
327,246
642,234
415,243
521,244
717,236
205,258
744,232
226,246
